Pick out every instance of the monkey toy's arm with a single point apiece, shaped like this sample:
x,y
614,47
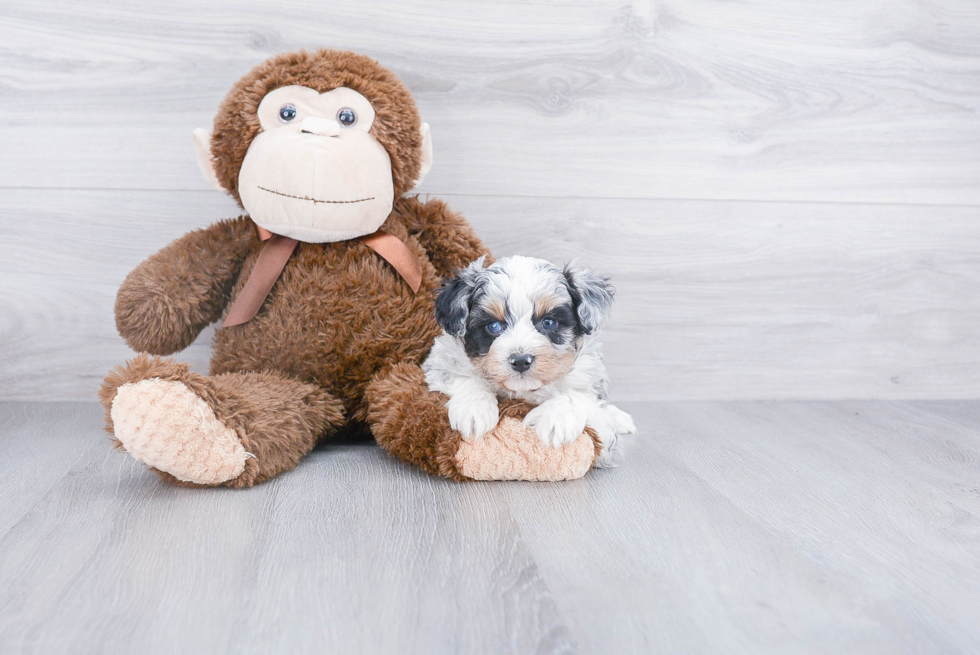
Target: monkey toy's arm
x,y
446,235
166,301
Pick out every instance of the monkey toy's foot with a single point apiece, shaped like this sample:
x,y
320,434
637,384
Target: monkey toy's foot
x,y
512,451
233,429
412,423
164,424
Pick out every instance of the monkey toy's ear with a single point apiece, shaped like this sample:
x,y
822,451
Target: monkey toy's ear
x,y
426,163
202,144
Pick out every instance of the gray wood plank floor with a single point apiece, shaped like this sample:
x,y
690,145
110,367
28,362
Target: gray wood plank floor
x,y
733,527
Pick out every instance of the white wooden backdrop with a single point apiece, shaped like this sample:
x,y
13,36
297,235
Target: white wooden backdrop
x,y
786,193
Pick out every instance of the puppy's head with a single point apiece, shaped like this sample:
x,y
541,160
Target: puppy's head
x,y
522,320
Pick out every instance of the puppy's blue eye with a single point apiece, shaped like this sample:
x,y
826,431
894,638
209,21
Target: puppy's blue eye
x,y
346,116
549,324
495,328
287,113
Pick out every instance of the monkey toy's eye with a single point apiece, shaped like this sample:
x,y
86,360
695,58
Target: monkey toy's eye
x,y
549,324
287,113
495,328
346,117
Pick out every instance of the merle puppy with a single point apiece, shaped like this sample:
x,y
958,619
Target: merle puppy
x,y
523,328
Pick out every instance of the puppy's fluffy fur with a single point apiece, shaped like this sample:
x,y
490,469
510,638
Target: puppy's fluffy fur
x,y
523,328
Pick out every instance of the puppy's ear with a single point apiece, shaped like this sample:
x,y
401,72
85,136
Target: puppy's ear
x,y
453,303
592,296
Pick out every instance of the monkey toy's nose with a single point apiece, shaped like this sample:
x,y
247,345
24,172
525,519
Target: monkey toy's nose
x,y
320,126
521,363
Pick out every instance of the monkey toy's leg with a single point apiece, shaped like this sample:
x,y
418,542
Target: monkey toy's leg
x,y
411,423
232,429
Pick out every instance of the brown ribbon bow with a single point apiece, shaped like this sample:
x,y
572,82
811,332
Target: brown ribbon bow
x,y
277,251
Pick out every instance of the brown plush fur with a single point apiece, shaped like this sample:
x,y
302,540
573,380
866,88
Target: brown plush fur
x,y
167,300
411,423
357,315
337,316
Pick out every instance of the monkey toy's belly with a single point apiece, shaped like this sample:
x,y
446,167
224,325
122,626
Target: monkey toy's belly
x,y
337,314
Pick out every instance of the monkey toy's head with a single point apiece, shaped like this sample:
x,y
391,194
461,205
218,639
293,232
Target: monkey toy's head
x,y
317,145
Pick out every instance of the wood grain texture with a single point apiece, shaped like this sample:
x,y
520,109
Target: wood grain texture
x,y
732,527
834,101
652,140
715,299
775,527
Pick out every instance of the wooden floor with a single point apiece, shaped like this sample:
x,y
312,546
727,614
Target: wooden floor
x,y
844,527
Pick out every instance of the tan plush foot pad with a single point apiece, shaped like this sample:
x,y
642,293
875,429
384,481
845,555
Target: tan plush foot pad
x,y
513,452
164,424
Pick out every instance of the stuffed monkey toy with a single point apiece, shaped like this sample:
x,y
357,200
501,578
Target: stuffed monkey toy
x,y
325,290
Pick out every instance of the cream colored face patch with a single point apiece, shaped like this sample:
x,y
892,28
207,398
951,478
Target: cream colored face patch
x,y
316,173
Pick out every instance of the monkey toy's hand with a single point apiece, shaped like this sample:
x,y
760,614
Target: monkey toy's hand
x,y
166,301
473,413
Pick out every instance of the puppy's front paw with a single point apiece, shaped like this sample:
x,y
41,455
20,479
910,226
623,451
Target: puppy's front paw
x,y
473,415
555,421
609,422
621,421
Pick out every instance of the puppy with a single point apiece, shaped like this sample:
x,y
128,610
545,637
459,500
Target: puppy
x,y
523,328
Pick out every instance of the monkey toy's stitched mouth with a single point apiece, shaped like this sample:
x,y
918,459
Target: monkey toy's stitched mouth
x,y
314,200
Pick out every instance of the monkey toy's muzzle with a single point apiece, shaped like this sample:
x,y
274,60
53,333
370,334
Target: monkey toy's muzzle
x,y
317,183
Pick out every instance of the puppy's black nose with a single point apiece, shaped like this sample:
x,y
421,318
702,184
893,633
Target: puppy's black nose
x,y
521,363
